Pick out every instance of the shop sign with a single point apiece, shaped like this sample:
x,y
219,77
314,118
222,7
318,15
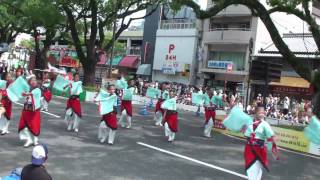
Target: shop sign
x,y
219,64
170,63
291,90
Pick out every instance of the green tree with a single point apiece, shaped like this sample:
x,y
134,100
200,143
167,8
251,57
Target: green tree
x,y
40,18
10,22
89,19
299,8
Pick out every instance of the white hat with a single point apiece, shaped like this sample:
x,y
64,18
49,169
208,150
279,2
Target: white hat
x,y
30,77
39,154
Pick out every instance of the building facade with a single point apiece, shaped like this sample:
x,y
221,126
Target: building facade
x,y
175,53
227,42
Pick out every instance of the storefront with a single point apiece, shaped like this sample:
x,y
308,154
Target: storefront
x,y
295,87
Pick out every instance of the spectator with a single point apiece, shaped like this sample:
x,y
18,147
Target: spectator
x,y
36,170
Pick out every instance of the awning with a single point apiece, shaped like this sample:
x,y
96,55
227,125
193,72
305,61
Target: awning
x,y
291,82
130,62
144,69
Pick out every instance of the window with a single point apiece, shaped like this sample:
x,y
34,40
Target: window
x,y
245,26
219,27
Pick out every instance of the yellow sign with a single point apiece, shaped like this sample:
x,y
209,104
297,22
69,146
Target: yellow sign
x,y
291,139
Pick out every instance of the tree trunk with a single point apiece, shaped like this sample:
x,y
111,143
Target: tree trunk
x,y
38,63
89,70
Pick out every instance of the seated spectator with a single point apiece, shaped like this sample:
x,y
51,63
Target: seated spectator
x,y
36,170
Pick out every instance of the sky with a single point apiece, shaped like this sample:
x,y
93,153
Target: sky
x,y
285,24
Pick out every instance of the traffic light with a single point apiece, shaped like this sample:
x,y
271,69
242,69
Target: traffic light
x,y
265,71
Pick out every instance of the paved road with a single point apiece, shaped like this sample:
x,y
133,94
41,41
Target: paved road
x,y
142,152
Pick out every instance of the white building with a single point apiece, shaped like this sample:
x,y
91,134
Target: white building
x,y
176,46
226,48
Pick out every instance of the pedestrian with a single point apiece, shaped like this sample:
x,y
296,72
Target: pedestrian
x,y
255,154
30,120
46,93
170,117
73,104
7,105
162,96
126,105
37,170
107,100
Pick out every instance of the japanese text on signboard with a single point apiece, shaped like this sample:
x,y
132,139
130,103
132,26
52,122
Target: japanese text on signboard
x,y
170,64
219,64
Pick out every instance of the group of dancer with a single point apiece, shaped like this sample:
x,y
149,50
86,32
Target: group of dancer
x,y
166,113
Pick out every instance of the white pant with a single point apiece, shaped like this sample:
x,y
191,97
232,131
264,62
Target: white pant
x,y
158,118
44,104
4,124
26,135
168,133
208,128
255,171
103,133
68,118
125,120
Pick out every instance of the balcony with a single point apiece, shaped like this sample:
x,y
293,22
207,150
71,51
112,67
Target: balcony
x,y
234,10
226,36
178,24
134,51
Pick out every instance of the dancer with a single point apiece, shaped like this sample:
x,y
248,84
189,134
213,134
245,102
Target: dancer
x,y
29,125
73,104
7,105
46,93
162,96
170,120
126,105
210,106
107,101
255,153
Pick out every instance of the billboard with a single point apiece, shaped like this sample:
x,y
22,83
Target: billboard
x,y
175,49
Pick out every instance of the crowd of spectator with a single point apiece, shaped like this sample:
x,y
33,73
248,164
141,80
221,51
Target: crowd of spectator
x,y
285,108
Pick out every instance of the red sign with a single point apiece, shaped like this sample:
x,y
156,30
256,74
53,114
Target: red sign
x,y
229,67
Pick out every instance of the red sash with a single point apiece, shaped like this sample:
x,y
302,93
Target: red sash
x,y
158,106
47,95
126,105
74,103
172,120
30,120
111,120
7,105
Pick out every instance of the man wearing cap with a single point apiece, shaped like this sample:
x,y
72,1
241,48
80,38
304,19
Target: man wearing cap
x,y
36,170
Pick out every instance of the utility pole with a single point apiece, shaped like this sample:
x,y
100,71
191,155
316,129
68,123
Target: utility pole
x,y
112,48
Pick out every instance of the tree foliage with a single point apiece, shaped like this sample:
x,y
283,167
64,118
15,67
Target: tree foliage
x,y
89,19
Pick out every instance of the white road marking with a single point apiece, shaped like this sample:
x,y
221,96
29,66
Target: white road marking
x,y
56,116
282,149
193,160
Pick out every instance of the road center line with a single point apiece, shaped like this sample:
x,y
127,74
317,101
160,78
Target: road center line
x,y
56,116
193,160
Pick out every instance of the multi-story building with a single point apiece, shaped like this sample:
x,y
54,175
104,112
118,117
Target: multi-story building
x,y
175,42
227,40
